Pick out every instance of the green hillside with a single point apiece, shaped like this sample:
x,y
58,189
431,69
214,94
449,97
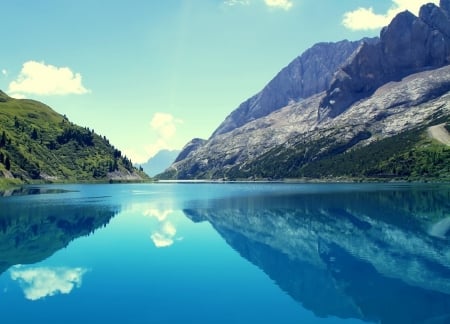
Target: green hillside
x,y
38,144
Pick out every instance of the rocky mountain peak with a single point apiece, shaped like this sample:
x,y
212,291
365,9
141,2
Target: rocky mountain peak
x,y
190,147
305,76
435,17
445,6
407,45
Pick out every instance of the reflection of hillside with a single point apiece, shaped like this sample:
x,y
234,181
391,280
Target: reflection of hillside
x,y
31,232
353,254
24,191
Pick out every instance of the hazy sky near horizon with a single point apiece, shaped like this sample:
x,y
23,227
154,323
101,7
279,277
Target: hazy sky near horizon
x,y
153,74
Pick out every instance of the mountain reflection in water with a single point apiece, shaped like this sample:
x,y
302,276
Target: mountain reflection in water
x,y
31,232
366,255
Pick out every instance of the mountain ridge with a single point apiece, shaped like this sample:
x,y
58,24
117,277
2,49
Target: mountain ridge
x,y
379,91
296,81
407,45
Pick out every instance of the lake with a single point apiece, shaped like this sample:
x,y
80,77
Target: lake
x,y
226,253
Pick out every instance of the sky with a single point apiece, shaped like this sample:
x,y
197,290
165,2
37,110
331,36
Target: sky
x,y
153,74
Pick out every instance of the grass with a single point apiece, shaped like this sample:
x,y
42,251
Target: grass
x,y
8,184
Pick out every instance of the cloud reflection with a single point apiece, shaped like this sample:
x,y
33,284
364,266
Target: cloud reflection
x,y
160,215
41,282
164,236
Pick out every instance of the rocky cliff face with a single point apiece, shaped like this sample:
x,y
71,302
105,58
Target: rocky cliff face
x,y
408,45
190,147
386,86
307,75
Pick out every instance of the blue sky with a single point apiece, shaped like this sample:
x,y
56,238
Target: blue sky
x,y
153,74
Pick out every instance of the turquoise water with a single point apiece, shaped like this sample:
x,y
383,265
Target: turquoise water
x,y
226,253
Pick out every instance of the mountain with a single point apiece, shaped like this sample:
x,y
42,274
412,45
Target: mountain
x,y
160,162
370,117
36,143
409,44
308,74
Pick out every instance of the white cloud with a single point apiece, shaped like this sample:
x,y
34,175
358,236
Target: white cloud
x,y
41,282
17,96
158,145
4,72
39,78
164,127
282,4
366,18
164,124
142,154
138,156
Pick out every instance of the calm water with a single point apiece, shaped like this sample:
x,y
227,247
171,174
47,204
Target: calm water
x,y
226,253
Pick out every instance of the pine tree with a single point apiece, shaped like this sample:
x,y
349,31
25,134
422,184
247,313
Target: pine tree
x,y
3,140
7,163
34,134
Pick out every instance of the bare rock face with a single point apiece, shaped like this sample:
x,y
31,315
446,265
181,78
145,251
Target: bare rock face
x,y
190,147
435,17
307,75
407,45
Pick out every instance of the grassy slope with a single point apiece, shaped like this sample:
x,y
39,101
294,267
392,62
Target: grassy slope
x,y
42,144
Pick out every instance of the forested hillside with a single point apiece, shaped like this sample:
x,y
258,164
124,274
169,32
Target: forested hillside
x,y
36,143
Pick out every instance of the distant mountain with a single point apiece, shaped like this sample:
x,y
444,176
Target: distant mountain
x,y
160,162
367,118
36,143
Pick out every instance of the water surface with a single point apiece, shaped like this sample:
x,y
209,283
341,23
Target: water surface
x,y
226,253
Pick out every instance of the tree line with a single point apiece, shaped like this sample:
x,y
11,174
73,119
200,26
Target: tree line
x,y
4,158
